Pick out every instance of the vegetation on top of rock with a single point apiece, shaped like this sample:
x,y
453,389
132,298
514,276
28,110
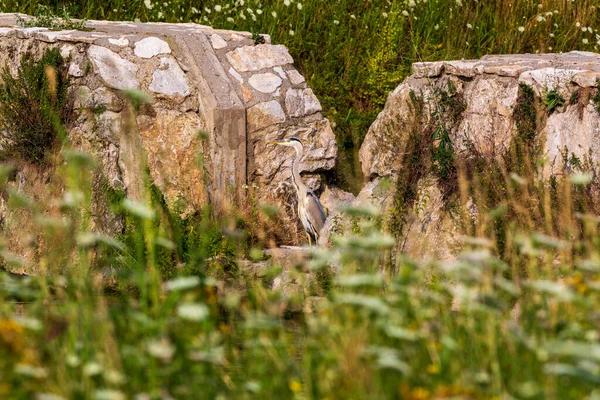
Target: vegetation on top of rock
x,y
44,18
596,97
34,106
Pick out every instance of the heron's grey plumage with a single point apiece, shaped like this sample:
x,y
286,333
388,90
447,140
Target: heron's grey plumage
x,y
310,211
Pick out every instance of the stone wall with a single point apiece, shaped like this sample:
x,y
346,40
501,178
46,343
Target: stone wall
x,y
240,92
481,122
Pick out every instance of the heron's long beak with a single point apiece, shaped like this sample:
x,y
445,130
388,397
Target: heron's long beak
x,y
276,142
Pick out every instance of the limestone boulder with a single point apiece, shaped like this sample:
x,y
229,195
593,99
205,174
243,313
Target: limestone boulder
x,y
476,103
211,101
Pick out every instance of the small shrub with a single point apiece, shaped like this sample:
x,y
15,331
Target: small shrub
x,y
553,100
33,106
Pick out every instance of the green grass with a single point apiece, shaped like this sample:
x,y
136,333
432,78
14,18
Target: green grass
x,y
33,106
470,329
354,52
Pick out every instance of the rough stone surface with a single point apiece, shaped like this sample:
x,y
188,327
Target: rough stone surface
x,y
235,74
121,42
300,102
116,72
172,144
169,79
265,114
217,42
150,47
97,99
295,77
265,83
280,72
253,58
332,198
489,90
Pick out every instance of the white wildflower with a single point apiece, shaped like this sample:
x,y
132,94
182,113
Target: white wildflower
x,y
299,6
336,22
208,10
469,26
384,15
436,27
259,11
521,29
292,33
552,35
405,13
274,14
286,3
229,19
584,40
148,4
577,24
352,16
218,8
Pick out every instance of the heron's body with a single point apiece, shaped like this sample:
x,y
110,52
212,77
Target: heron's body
x,y
310,210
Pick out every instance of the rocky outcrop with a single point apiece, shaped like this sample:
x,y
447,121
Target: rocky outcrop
x,y
479,107
242,94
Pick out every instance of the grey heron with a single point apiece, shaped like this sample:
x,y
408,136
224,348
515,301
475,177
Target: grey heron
x,y
310,210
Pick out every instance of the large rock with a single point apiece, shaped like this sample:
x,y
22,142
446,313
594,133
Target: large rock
x,y
479,103
215,97
116,72
169,79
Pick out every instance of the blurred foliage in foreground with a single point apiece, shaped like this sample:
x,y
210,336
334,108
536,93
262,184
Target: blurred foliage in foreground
x,y
472,329
354,52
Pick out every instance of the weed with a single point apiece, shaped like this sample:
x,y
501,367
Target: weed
x,y
448,106
415,164
33,106
257,38
553,100
44,18
596,98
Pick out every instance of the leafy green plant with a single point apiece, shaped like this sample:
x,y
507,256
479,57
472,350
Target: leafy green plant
x,y
596,97
553,100
33,106
44,18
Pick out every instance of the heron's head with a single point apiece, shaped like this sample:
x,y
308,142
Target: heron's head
x,y
290,142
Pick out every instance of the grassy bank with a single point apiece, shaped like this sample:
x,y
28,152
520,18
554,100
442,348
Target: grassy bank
x,y
106,322
354,52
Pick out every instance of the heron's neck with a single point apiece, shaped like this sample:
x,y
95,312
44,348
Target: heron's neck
x,y
296,169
